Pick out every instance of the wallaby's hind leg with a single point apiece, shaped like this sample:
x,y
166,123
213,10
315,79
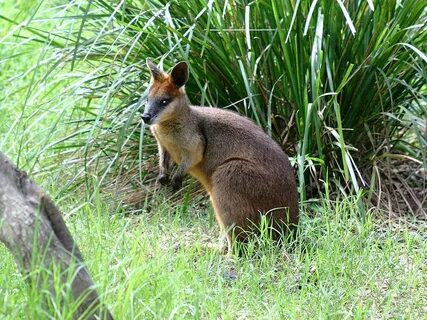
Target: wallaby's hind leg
x,y
225,233
241,193
228,215
235,195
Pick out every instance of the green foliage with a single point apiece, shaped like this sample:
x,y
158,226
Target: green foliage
x,y
337,84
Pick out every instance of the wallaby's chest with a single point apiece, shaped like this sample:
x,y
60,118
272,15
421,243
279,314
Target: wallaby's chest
x,y
171,140
186,144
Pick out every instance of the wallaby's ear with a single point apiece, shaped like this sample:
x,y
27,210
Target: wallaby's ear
x,y
156,73
179,74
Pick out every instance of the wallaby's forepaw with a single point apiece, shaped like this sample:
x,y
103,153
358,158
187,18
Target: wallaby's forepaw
x,y
163,179
176,183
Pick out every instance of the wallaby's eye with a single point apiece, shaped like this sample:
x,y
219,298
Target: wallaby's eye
x,y
164,102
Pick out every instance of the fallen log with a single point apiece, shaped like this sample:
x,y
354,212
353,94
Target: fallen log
x,y
33,229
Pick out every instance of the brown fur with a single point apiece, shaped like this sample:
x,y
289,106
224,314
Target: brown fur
x,y
244,171
164,87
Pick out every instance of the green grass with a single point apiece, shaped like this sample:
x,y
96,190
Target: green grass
x,y
160,265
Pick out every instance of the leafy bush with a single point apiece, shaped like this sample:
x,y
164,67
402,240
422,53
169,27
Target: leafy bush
x,y
340,85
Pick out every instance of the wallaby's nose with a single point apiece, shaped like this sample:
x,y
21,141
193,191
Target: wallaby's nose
x,y
146,118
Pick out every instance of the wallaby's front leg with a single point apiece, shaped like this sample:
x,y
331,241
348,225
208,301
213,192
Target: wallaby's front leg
x,y
165,162
180,172
189,158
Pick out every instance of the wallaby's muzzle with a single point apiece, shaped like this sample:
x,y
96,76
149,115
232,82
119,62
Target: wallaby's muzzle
x,y
151,111
146,117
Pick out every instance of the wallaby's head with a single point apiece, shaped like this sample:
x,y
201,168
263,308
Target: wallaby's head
x,y
166,96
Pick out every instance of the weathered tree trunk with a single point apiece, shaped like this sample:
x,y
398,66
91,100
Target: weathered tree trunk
x,y
32,228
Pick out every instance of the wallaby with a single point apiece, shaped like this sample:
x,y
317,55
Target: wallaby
x,y
244,171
